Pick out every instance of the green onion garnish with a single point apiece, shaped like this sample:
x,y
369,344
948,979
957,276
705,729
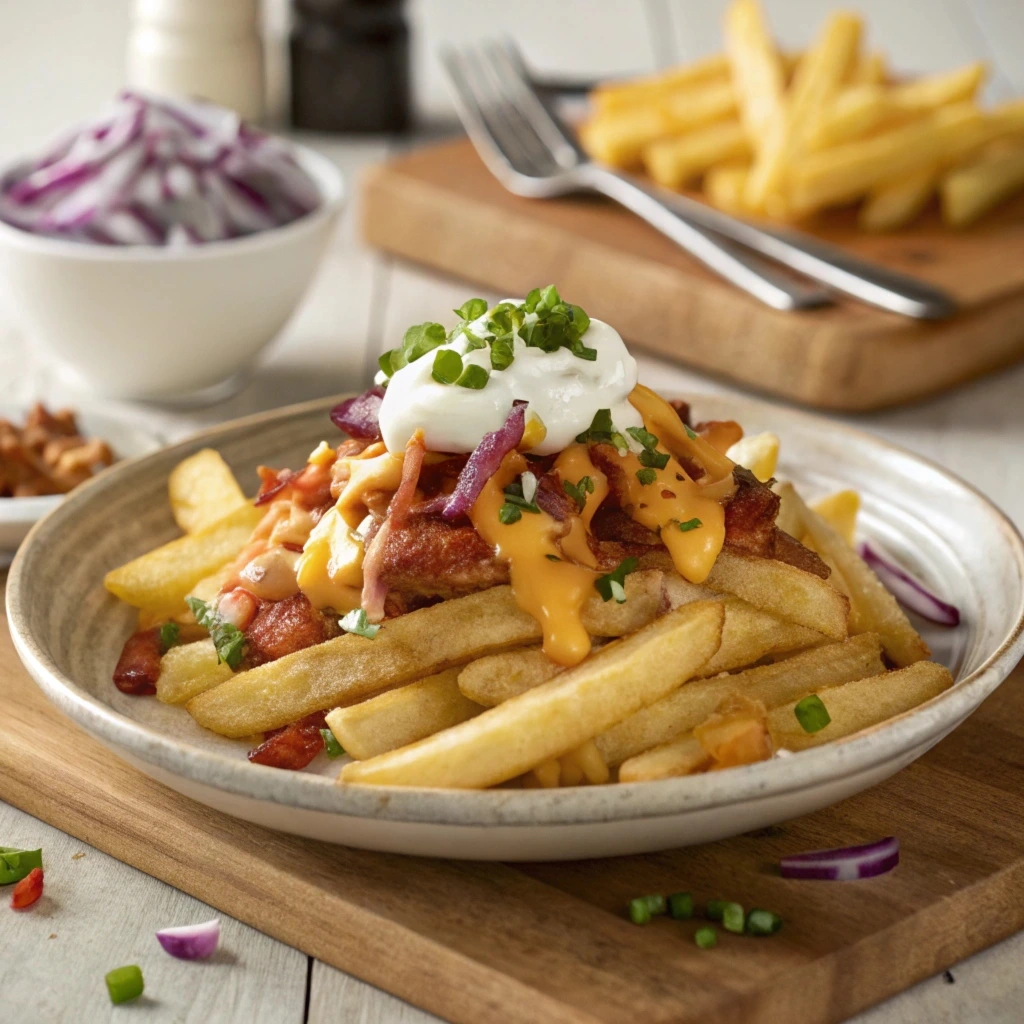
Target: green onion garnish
x,y
528,482
509,513
812,714
646,476
653,459
356,622
169,633
690,433
579,491
473,377
15,864
227,638
714,909
552,558
763,922
612,585
733,918
690,524
680,906
514,495
125,983
706,937
331,744
643,908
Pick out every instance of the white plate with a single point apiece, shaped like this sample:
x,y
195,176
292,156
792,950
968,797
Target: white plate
x,y
68,632
126,437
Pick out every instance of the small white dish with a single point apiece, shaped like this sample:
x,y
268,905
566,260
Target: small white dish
x,y
128,439
156,323
69,631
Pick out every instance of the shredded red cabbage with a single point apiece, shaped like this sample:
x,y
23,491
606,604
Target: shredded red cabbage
x,y
908,589
360,416
846,864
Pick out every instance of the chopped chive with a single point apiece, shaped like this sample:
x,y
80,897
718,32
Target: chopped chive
x,y
331,744
509,513
680,906
552,558
706,937
579,491
690,433
656,903
690,524
613,584
125,983
763,922
643,437
714,909
733,918
639,911
356,622
653,459
812,714
169,633
646,476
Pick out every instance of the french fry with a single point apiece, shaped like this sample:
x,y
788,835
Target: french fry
x,y
188,670
872,608
494,679
818,79
161,579
724,184
402,716
859,705
559,715
783,590
773,685
674,162
759,453
970,191
203,490
620,139
869,70
682,756
702,105
847,172
894,204
616,96
757,68
840,509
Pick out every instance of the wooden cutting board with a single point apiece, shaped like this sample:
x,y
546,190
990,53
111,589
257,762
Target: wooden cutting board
x,y
440,206
536,943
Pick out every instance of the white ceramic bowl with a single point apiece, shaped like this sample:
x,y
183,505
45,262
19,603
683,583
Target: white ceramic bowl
x,y
128,439
68,632
147,322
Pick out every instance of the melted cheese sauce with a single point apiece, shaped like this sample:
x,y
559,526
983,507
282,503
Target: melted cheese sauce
x,y
572,465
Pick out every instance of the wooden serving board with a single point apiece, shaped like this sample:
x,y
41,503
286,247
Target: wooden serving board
x,y
539,943
440,206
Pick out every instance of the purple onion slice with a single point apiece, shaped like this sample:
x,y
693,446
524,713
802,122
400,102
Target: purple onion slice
x,y
360,416
906,588
846,864
191,941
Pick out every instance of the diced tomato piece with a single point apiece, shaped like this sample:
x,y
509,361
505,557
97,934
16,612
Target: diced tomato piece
x,y
28,890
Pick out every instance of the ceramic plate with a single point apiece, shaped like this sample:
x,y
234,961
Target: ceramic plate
x,y
69,632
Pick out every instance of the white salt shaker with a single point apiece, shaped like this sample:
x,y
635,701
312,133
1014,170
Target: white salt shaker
x,y
211,49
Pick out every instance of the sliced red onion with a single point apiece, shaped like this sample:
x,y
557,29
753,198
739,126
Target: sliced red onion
x,y
846,864
191,941
484,462
907,589
359,416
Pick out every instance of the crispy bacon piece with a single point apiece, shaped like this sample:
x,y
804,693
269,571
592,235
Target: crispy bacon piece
x,y
720,434
789,549
294,746
750,516
311,486
284,627
552,498
138,668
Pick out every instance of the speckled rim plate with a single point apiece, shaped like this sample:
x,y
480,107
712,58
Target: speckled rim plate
x,y
848,454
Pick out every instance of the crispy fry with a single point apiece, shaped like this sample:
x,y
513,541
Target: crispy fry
x,y
402,716
859,705
620,139
970,191
872,608
203,490
773,685
756,65
840,509
758,452
492,680
894,204
160,579
560,715
682,756
188,670
615,96
700,106
869,70
724,184
673,162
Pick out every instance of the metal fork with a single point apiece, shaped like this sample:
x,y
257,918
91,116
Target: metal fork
x,y
533,153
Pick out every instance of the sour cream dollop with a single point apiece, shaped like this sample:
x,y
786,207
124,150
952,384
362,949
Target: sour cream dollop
x,y
562,389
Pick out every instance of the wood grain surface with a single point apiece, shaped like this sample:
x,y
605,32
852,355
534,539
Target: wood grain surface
x,y
441,207
484,942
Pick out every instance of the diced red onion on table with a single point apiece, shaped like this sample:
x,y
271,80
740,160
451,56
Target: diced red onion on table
x,y
846,864
155,171
906,588
360,416
191,941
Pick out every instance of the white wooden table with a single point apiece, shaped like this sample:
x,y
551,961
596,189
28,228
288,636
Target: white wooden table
x,y
61,60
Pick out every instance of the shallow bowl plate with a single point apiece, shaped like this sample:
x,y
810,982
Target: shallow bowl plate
x,y
68,632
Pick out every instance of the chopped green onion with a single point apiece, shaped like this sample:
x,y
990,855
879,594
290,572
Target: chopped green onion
x,y
690,433
653,459
356,622
125,983
514,496
812,714
579,491
552,558
15,864
528,482
706,937
733,918
331,744
680,906
763,922
509,513
643,437
656,903
643,908
228,639
690,524
612,585
473,377
447,366
714,909
169,633
646,476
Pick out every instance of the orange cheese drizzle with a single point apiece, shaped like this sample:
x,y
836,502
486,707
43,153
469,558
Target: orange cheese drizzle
x,y
573,464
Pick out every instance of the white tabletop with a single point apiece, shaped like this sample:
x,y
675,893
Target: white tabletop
x,y
61,60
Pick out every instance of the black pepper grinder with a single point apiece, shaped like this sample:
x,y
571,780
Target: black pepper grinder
x,y
350,66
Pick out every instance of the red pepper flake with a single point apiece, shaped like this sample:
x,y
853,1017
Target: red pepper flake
x,y
28,890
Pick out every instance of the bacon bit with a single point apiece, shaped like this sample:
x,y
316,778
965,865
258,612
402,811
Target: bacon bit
x,y
284,627
313,484
272,483
720,434
138,668
28,890
294,746
666,493
238,607
288,546
737,733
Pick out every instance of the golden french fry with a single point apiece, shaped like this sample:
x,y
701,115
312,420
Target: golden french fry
x,y
203,490
699,106
757,68
970,191
682,756
840,509
161,579
724,184
773,685
642,605
869,70
188,670
859,705
559,715
894,204
616,96
620,139
402,716
674,162
492,680
817,81
872,608
758,452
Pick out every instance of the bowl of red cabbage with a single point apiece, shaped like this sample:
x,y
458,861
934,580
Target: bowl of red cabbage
x,y
155,250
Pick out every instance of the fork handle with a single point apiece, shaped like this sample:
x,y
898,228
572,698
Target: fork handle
x,y
741,268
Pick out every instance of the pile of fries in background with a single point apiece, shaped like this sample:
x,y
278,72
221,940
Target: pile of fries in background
x,y
768,133
682,679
